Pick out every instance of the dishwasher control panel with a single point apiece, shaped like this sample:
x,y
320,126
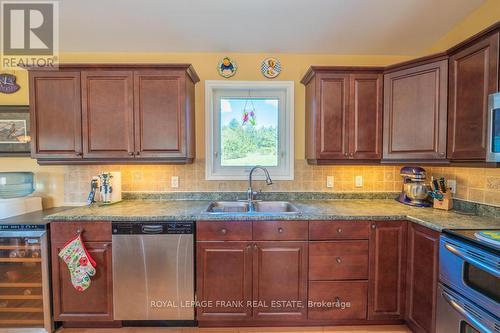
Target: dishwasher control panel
x,y
153,228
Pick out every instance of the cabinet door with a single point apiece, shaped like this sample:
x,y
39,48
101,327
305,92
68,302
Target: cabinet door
x,y
56,125
415,112
224,280
331,136
422,278
93,304
365,116
473,76
159,98
108,124
280,280
386,297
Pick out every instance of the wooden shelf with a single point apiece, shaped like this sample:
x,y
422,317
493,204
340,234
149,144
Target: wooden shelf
x,y
22,310
20,260
21,321
20,247
21,297
21,285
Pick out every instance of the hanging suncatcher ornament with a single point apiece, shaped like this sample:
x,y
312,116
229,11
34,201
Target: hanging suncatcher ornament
x,y
249,113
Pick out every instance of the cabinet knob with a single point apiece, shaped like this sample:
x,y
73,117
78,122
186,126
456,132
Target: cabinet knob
x,y
138,153
339,230
346,154
339,260
373,226
78,154
131,153
255,246
280,230
442,154
351,154
223,231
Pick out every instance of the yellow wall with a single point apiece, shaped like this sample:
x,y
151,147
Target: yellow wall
x,y
481,18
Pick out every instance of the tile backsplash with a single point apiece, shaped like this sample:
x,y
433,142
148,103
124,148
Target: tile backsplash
x,y
474,184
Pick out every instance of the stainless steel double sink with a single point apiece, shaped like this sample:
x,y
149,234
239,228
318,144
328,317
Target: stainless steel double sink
x,y
260,207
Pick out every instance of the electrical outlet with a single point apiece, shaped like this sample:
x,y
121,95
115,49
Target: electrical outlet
x,y
452,184
174,181
329,181
359,181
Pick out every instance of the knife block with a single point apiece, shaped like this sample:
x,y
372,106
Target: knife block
x,y
446,203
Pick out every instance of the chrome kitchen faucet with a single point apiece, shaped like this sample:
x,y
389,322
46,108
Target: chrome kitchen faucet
x,y
250,193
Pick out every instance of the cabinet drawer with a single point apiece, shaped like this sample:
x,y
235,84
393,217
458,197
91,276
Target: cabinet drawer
x,y
92,231
338,260
336,295
280,230
223,230
326,230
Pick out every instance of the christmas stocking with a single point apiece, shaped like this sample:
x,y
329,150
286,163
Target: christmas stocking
x,y
80,264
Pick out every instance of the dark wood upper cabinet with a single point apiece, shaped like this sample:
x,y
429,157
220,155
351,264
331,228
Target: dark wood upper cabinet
x,y
473,76
108,114
365,116
162,114
422,278
113,113
280,275
386,290
415,112
56,124
343,114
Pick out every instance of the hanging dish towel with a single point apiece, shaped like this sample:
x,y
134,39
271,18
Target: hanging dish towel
x,y
80,264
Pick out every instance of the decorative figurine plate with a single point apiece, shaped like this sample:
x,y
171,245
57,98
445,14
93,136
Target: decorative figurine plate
x,y
227,67
270,67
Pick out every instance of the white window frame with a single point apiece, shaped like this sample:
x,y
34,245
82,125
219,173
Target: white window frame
x,y
285,171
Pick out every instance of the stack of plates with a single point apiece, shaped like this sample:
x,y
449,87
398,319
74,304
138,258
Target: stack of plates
x,y
16,184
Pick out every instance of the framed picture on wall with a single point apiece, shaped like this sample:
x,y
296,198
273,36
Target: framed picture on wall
x,y
14,130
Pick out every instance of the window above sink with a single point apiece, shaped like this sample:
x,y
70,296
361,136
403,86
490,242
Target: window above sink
x,y
249,123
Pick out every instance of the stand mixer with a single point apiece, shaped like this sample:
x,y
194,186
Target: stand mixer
x,y
414,191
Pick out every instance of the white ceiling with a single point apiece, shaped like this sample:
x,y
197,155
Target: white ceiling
x,y
399,27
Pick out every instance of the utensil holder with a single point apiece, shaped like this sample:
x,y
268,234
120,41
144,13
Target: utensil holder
x,y
446,203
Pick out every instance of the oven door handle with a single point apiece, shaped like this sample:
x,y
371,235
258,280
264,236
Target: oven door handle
x,y
470,317
492,270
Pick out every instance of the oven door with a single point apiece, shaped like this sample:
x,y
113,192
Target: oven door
x,y
456,314
471,270
493,144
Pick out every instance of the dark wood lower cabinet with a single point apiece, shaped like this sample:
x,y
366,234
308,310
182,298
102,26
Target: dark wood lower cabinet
x,y
386,293
422,278
224,280
337,300
280,280
93,304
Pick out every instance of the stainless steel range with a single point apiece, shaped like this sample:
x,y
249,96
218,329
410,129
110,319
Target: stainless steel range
x,y
469,286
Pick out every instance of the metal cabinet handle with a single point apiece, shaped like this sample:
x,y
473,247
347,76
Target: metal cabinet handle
x,y
339,230
280,230
339,260
457,307
490,269
223,231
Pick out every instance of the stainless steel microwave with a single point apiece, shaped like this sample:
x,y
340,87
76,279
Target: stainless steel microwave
x,y
493,145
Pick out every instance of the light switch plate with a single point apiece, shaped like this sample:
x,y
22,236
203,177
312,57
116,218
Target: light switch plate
x,y
452,184
174,181
329,181
359,181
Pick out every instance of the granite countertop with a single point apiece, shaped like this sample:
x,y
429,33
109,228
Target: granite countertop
x,y
340,209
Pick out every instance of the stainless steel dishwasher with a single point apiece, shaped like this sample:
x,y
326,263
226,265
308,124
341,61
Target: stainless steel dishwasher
x,y
153,271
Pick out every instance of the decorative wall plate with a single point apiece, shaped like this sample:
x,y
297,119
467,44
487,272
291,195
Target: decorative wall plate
x,y
270,67
227,67
8,83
